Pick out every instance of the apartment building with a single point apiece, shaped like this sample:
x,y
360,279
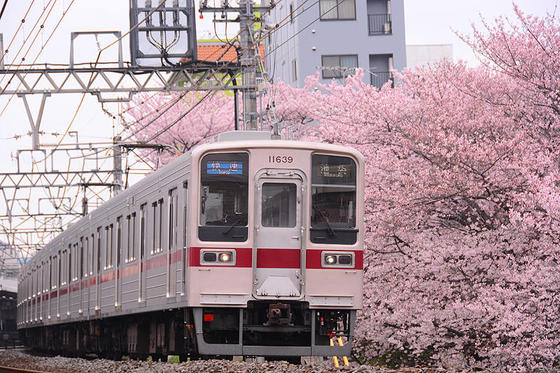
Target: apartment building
x,y
334,37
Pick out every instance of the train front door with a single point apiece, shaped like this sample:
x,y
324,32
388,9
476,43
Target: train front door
x,y
278,235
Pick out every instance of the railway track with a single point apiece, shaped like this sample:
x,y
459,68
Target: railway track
x,y
4,369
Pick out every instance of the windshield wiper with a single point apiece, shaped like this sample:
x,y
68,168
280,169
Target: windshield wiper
x,y
325,219
234,224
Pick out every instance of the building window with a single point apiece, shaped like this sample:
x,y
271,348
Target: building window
x,y
339,66
337,9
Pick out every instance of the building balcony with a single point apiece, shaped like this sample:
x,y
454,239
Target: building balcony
x,y
379,78
380,24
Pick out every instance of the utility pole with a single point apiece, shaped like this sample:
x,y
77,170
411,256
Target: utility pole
x,y
248,60
248,57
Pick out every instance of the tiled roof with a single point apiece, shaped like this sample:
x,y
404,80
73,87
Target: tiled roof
x,y
215,52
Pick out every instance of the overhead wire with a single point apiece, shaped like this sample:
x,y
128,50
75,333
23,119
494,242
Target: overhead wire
x,y
37,57
3,8
17,30
14,59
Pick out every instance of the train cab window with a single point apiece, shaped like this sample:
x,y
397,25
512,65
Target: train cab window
x,y
333,200
224,197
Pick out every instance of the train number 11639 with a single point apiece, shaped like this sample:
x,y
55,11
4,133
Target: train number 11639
x,y
280,159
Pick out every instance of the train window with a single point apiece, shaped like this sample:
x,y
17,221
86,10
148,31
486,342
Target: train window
x,y
131,235
157,208
63,268
109,246
69,264
142,230
279,205
91,254
333,200
51,272
119,240
172,221
99,249
85,256
224,197
76,264
59,269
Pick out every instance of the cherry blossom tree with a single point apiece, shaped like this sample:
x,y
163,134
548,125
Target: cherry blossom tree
x,y
199,116
462,196
462,202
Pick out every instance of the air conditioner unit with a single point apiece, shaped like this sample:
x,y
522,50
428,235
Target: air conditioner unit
x,y
387,28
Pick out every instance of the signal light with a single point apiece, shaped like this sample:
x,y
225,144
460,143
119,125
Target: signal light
x,y
208,317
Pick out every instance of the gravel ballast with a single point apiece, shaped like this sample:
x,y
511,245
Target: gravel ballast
x,y
22,359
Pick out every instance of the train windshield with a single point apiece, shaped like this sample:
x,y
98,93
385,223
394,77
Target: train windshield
x,y
224,197
333,200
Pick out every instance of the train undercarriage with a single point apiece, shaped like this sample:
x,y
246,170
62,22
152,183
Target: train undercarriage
x,y
264,328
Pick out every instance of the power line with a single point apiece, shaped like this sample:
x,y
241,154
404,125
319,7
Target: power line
x,y
19,27
3,8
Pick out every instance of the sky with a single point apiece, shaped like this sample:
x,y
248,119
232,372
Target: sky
x,y
426,22
434,21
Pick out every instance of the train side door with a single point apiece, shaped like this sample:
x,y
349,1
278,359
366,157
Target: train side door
x,y
278,235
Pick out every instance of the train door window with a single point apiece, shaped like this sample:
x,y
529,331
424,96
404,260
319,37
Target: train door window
x,y
59,269
172,220
33,282
69,263
128,229
40,279
142,230
76,264
91,249
109,246
224,197
184,257
98,251
45,271
119,241
157,208
279,204
333,200
132,238
63,269
159,247
50,272
81,260
86,256
131,235
172,237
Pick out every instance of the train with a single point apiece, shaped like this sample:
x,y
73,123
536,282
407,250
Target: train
x,y
248,245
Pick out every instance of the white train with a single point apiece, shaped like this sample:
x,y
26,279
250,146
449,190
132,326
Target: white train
x,y
245,246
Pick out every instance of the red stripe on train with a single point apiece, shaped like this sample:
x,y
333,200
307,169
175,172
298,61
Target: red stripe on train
x,y
278,258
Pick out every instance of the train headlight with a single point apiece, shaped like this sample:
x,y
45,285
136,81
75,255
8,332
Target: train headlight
x,y
217,257
330,259
338,259
225,257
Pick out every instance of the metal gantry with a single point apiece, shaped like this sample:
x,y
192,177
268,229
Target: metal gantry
x,y
29,219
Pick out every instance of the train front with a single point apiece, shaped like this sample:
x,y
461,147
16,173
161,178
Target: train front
x,y
275,261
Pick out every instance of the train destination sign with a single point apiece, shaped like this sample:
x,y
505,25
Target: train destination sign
x,y
224,168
